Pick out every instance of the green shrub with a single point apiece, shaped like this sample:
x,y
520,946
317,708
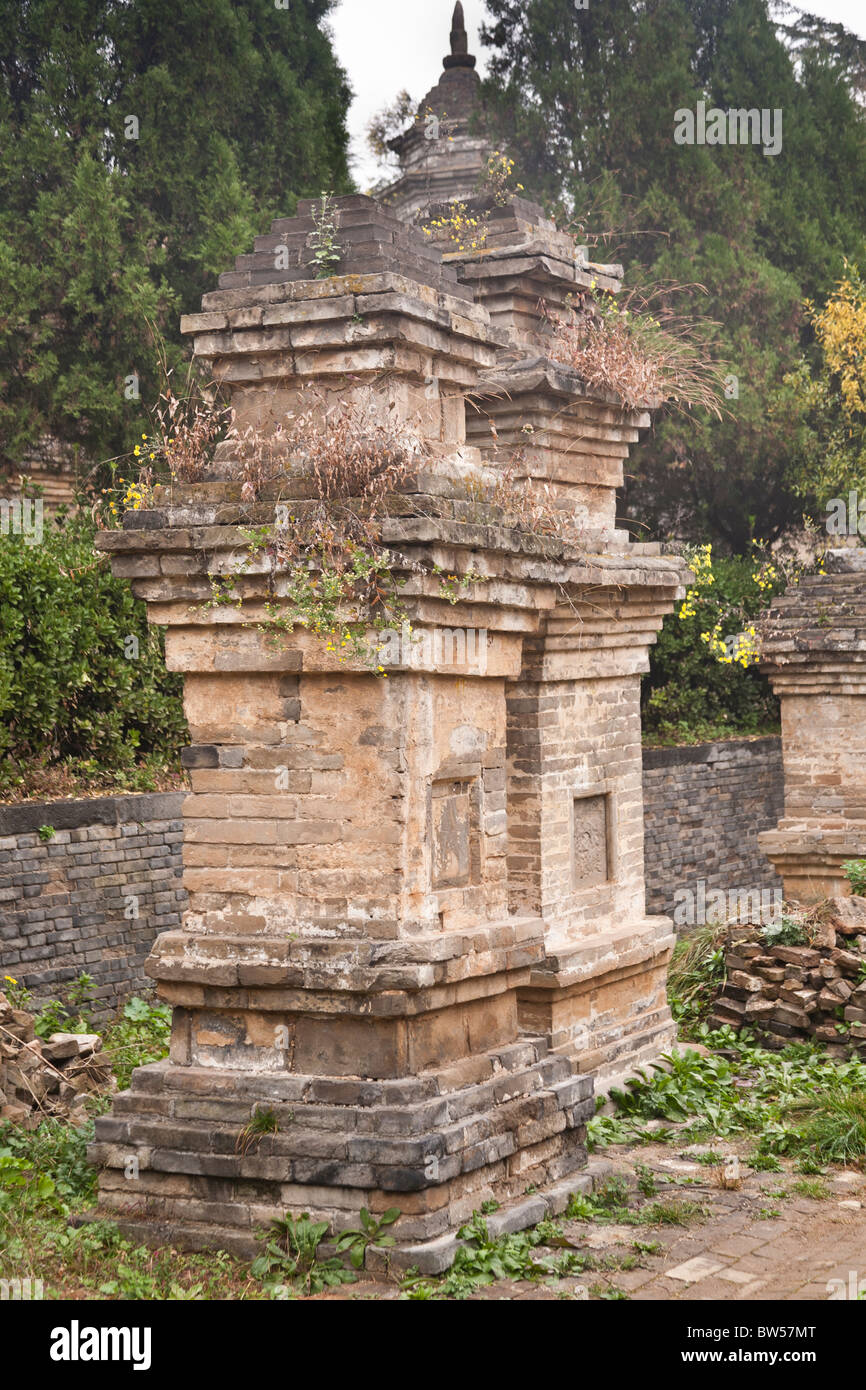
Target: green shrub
x,y
57,1151
702,684
139,1035
855,872
82,675
787,931
71,1013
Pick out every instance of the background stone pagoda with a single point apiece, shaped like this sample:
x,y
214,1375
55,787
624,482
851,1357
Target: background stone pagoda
x,y
814,651
416,928
444,152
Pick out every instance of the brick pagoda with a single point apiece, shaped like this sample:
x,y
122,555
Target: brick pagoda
x,y
416,929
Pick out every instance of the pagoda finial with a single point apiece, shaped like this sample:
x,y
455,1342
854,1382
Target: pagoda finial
x,y
460,57
459,37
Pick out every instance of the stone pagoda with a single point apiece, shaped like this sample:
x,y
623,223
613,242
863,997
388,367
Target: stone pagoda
x,y
416,930
814,652
444,152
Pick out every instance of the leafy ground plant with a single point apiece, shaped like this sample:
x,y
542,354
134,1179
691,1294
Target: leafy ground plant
x,y
71,1013
787,931
139,1035
484,1259
855,872
609,1202
290,1264
798,1102
370,1232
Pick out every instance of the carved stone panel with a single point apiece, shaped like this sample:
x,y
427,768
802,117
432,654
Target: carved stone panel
x,y
454,832
590,852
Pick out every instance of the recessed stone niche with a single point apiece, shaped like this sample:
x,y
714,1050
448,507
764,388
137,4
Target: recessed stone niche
x,y
455,816
591,851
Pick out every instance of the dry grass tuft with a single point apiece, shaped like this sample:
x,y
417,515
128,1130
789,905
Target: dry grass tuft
x,y
642,351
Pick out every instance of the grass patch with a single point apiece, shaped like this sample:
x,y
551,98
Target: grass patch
x,y
697,973
833,1124
813,1188
45,1180
670,1213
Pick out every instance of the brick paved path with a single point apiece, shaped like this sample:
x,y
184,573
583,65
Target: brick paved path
x,y
741,1252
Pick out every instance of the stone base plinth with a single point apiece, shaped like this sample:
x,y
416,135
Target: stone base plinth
x,y
436,1145
809,857
603,1001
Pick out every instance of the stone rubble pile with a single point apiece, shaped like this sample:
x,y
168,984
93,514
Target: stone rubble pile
x,y
39,1078
799,993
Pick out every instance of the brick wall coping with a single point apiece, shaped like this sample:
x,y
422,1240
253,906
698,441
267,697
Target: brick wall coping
x,y
719,751
24,818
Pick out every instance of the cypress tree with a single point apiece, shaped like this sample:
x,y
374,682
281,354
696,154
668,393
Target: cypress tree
x,y
586,100
141,147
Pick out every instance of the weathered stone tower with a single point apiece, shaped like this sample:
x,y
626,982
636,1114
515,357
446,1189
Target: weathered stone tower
x,y
444,151
814,651
416,924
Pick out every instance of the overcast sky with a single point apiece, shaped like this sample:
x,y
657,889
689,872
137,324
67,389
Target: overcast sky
x,y
386,45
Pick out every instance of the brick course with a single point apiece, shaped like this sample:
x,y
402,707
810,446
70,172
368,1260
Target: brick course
x,y
704,807
63,902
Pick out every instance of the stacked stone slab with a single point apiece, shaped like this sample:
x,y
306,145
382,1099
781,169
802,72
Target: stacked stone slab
x,y
415,900
54,1077
788,994
814,651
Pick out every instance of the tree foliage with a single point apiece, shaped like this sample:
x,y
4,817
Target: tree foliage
x,y
141,147
832,385
82,676
704,682
586,99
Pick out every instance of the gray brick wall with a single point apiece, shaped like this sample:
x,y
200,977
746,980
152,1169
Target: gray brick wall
x,y
68,904
703,809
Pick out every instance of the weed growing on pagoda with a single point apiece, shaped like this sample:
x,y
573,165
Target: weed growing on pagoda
x,y
465,226
187,423
343,460
327,251
639,348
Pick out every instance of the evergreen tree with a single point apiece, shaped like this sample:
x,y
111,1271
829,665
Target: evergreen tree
x,y
586,99
141,147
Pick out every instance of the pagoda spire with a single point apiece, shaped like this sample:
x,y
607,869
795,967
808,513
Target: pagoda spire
x,y
459,57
